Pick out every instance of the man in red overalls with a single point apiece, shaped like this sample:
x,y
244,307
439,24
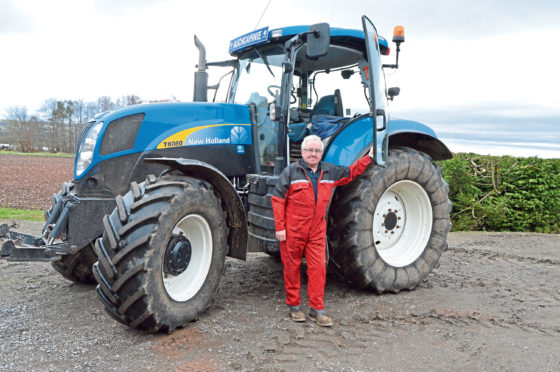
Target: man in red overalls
x,y
299,202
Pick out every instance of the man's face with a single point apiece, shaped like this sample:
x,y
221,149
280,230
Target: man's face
x,y
311,153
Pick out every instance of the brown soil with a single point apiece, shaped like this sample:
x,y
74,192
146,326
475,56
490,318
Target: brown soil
x,y
27,182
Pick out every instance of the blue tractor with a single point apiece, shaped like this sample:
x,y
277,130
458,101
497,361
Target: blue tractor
x,y
162,193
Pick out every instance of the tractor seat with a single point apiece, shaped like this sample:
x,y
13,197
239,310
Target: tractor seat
x,y
327,115
326,125
329,105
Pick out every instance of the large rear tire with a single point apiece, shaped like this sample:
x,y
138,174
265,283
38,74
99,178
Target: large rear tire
x,y
74,267
387,229
162,253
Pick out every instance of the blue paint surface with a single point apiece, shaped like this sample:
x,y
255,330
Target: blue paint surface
x,y
334,32
356,139
162,120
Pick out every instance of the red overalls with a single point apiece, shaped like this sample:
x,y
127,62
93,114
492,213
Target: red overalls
x,y
295,211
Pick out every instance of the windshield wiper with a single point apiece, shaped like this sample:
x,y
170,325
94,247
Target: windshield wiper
x,y
263,57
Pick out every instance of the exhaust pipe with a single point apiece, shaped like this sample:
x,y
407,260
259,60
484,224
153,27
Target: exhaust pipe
x,y
200,76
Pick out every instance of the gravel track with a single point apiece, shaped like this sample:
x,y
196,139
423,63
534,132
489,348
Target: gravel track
x,y
493,304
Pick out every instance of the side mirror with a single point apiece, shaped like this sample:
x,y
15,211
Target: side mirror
x,y
318,40
393,92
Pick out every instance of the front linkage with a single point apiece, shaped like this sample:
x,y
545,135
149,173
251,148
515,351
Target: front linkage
x,y
68,215
24,247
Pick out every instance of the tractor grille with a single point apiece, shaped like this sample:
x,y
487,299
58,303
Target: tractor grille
x,y
121,134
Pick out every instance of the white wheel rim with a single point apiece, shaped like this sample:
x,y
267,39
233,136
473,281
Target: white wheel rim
x,y
184,286
402,223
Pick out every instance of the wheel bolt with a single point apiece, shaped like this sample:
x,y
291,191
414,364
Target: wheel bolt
x,y
386,231
382,224
392,232
398,218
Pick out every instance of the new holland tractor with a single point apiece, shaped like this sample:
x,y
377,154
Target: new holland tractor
x,y
163,192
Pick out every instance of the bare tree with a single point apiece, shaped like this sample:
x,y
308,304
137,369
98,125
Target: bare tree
x,y
22,131
132,99
105,103
60,123
128,100
58,115
68,138
91,110
170,99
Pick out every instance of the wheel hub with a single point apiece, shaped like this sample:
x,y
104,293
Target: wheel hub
x,y
177,255
402,223
390,220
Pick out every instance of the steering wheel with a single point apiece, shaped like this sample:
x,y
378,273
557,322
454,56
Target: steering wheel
x,y
271,92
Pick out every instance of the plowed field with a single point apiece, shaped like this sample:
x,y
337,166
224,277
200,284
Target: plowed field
x,y
27,182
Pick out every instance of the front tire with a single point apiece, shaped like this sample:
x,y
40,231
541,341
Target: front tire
x,y
162,253
387,229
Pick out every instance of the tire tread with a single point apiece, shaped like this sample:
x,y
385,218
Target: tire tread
x,y
348,235
123,271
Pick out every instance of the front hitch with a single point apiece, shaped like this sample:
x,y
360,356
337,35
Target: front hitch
x,y
18,246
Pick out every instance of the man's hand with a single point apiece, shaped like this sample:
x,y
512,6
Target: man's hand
x,y
371,152
281,235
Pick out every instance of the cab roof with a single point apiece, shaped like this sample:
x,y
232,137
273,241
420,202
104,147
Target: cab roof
x,y
351,38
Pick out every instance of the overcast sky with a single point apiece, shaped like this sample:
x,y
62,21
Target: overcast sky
x,y
468,68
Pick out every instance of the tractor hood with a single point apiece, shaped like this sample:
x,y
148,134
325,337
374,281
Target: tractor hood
x,y
150,127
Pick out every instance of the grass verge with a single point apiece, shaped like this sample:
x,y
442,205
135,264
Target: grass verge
x,y
21,214
50,154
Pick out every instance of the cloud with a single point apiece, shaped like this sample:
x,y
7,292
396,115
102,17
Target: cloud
x,y
13,19
496,128
492,121
121,7
473,19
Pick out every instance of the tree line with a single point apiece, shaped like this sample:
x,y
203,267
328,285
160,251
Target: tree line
x,y
57,125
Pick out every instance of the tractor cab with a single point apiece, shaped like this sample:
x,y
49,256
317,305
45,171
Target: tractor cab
x,y
303,80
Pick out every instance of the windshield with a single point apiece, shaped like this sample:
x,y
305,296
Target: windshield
x,y
257,81
258,74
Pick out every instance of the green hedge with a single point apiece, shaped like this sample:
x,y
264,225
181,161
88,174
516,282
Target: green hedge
x,y
493,193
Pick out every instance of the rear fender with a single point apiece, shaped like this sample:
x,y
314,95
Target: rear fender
x,y
419,137
231,202
355,138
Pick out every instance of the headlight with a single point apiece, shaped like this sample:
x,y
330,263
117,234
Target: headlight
x,y
85,153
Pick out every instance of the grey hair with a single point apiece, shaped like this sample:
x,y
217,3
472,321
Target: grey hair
x,y
311,138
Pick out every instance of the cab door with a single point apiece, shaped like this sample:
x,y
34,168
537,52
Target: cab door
x,y
376,88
